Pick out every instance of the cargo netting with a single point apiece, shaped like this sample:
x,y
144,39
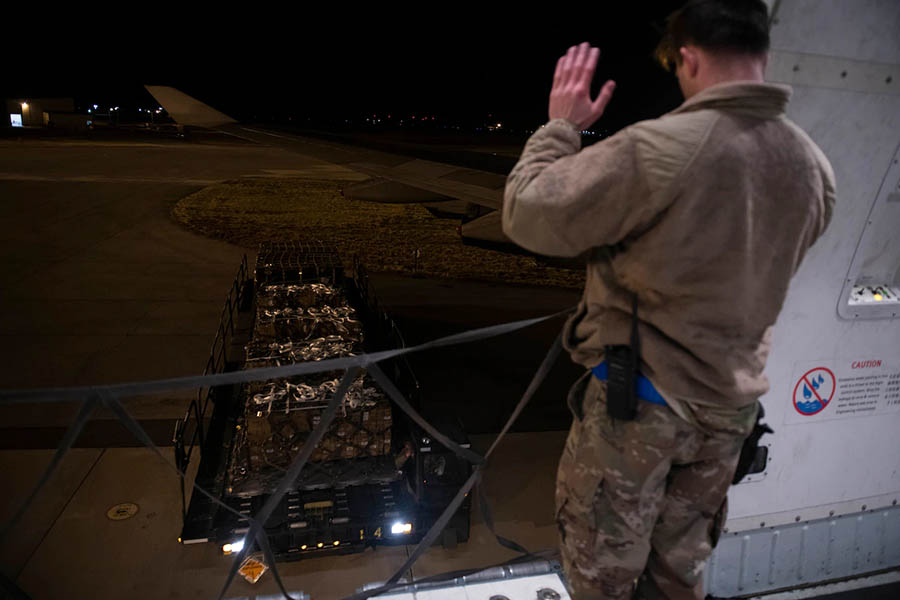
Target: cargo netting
x,y
301,322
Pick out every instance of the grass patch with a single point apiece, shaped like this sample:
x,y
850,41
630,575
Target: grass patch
x,y
250,211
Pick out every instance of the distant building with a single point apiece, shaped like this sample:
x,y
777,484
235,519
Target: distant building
x,y
44,112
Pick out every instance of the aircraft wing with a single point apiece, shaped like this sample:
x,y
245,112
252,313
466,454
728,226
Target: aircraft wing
x,y
186,110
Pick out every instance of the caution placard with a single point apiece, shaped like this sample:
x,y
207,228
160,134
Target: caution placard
x,y
814,391
839,389
253,568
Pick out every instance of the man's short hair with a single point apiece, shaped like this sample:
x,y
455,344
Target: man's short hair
x,y
734,26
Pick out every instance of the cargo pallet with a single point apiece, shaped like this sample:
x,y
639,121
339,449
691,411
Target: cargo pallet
x,y
335,507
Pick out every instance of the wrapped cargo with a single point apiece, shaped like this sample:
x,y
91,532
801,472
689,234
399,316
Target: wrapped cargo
x,y
311,295
266,445
299,323
261,354
299,393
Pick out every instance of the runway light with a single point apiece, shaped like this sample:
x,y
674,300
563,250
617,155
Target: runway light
x,y
398,528
233,547
320,545
337,542
304,547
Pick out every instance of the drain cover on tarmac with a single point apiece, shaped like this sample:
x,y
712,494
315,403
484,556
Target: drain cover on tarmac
x,y
123,511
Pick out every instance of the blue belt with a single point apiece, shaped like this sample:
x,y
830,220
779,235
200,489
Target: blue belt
x,y
645,389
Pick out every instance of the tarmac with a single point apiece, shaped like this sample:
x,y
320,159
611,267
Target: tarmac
x,y
101,286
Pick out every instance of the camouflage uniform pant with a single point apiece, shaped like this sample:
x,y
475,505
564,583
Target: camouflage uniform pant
x,y
641,500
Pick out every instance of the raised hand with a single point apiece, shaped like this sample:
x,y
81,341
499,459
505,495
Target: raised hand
x,y
570,97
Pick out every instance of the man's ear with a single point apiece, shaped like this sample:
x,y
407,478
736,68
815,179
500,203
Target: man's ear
x,y
691,61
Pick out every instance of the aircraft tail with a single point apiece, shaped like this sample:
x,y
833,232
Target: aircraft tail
x,y
186,110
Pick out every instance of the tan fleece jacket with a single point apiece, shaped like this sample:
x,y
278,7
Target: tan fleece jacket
x,y
705,212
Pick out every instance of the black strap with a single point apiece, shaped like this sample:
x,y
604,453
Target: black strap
x,y
426,542
488,517
397,396
536,382
288,481
108,397
10,591
533,386
112,403
140,388
635,338
475,477
263,538
72,433
115,406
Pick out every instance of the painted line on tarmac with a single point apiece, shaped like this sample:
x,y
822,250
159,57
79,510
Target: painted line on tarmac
x,y
102,179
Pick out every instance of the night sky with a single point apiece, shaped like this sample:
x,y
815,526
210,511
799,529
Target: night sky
x,y
269,69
